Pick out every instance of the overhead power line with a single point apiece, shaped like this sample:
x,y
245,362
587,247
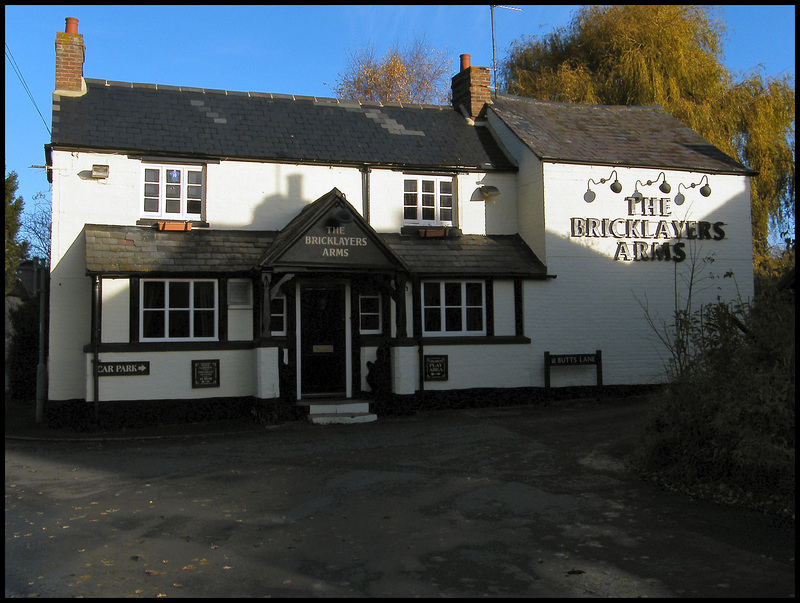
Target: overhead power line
x,y
18,71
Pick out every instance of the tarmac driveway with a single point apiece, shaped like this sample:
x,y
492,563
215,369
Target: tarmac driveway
x,y
514,502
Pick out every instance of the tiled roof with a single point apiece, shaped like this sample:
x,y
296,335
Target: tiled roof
x,y
175,121
610,135
467,255
133,249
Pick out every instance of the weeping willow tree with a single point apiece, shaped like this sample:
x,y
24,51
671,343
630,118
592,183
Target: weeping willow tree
x,y
414,73
671,55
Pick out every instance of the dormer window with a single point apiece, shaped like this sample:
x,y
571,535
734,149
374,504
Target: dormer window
x,y
428,200
173,191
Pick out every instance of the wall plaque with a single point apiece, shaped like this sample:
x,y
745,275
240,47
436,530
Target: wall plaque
x,y
435,368
205,373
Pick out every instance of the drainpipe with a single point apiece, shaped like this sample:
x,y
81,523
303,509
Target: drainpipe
x,y
96,343
365,191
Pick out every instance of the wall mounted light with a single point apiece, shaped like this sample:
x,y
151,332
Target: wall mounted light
x,y
616,187
343,216
664,188
99,172
705,190
488,190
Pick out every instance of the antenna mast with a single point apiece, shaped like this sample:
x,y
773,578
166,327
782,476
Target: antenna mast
x,y
494,49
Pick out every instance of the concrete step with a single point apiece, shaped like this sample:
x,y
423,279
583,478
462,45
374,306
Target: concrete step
x,y
345,407
325,412
341,418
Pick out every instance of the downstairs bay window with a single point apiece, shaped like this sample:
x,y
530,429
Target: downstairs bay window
x,y
178,310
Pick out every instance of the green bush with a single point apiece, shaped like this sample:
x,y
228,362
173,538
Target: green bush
x,y
724,426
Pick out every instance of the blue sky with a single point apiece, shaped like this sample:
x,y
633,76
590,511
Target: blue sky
x,y
286,49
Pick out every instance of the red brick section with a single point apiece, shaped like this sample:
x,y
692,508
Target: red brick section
x,y
70,54
471,90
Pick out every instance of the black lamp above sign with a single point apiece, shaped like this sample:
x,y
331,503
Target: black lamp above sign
x,y
705,190
590,195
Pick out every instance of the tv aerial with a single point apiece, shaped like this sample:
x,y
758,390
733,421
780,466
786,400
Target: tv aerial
x,y
494,49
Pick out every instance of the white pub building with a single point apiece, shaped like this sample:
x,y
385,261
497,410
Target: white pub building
x,y
211,244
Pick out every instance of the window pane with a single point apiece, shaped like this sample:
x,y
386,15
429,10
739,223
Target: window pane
x,y
410,186
179,294
204,323
433,320
179,323
452,319
410,213
153,295
194,177
174,176
173,191
151,190
474,294
474,319
151,205
173,206
452,294
194,207
152,323
428,186
151,175
370,305
204,295
446,187
446,215
370,322
432,295
194,192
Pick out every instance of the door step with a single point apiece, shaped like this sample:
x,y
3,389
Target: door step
x,y
326,412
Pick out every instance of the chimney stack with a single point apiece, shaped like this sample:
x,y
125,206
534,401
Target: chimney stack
x,y
70,54
471,90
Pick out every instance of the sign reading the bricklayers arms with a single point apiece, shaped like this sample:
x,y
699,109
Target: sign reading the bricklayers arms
x,y
649,231
336,239
122,369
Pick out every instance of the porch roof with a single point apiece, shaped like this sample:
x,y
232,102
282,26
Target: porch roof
x,y
130,250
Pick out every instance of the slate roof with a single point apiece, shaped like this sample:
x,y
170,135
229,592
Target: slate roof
x,y
176,121
467,255
133,249
635,136
122,250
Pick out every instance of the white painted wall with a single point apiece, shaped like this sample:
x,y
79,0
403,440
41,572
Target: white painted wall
x,y
597,302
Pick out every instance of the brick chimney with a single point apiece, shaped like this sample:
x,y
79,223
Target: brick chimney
x,y
471,89
70,53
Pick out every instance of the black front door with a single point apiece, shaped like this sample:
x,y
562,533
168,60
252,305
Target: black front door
x,y
323,339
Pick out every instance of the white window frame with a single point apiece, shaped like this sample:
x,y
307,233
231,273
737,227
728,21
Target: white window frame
x,y
462,306
154,200
275,315
426,200
165,309
361,313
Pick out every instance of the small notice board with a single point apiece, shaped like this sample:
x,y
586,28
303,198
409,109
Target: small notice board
x,y
205,373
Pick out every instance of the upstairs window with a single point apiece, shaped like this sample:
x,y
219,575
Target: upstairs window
x,y
428,200
173,191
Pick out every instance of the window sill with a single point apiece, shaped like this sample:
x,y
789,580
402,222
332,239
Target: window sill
x,y
154,223
431,231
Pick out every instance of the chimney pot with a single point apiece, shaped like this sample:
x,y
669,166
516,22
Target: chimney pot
x,y
72,25
464,61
